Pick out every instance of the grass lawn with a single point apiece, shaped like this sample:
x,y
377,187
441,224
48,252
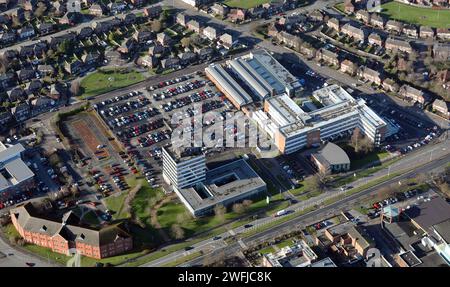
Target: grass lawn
x,y
115,204
417,15
284,243
267,250
101,82
167,215
47,253
340,181
370,158
340,7
245,4
305,186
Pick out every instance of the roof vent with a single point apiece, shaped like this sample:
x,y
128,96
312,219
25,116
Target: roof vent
x,y
82,236
44,228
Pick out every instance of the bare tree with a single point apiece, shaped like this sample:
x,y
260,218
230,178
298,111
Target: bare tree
x,y
177,231
15,22
4,64
412,56
238,208
219,212
156,26
185,42
356,138
385,192
247,203
75,88
74,190
41,8
316,183
445,188
420,178
366,146
428,60
183,217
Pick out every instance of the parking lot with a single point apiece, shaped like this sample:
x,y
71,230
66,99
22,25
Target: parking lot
x,y
143,120
413,131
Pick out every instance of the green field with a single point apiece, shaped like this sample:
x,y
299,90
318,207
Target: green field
x,y
104,81
417,15
340,7
115,204
245,4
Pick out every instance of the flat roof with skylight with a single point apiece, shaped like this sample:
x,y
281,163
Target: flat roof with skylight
x,y
223,185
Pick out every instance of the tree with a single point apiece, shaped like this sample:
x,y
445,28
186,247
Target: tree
x,y
41,8
412,56
355,139
247,203
156,26
360,142
219,212
316,183
65,48
238,208
13,239
4,64
445,188
75,191
185,42
365,145
27,15
385,192
183,217
15,22
420,178
428,60
177,231
75,88
164,15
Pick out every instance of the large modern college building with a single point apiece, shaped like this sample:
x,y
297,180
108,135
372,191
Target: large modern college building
x,y
201,189
293,128
183,167
258,78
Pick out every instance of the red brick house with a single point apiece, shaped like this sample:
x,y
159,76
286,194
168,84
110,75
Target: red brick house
x,y
68,236
349,8
349,67
442,108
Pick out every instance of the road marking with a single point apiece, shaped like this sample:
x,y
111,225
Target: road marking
x,y
232,232
242,244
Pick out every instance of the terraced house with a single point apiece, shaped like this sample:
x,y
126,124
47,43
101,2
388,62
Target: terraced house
x,y
398,45
356,33
68,236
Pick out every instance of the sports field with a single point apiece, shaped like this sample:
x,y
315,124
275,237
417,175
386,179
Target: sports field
x,y
245,4
416,15
104,81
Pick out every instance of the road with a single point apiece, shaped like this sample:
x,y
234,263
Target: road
x,y
63,32
10,257
420,158
315,215
424,155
